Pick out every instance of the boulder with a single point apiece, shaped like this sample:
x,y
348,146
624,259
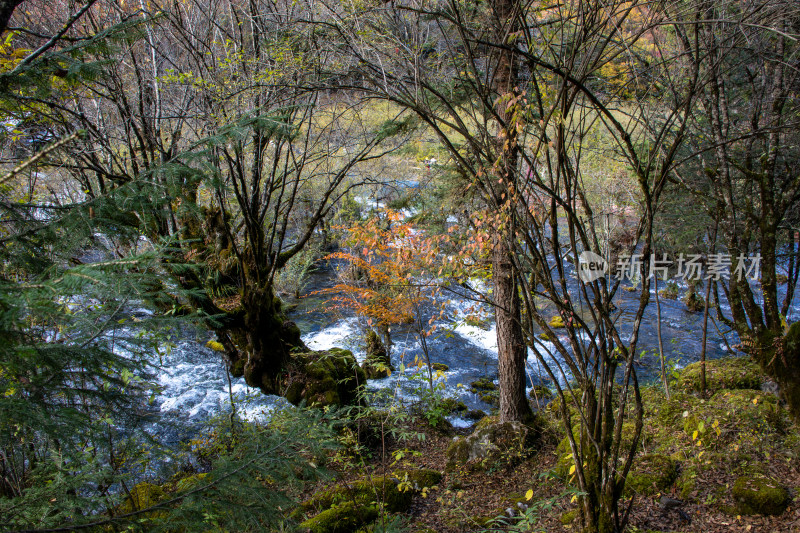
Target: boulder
x,y
651,473
330,377
540,396
493,441
344,518
345,509
725,373
759,495
486,390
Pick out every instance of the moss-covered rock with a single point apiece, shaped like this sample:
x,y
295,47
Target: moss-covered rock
x,y
346,517
493,441
570,399
651,473
457,452
418,479
361,493
474,414
486,390
670,291
540,396
569,517
377,363
330,377
540,391
759,495
453,405
725,373
492,397
686,482
694,302
482,384
142,496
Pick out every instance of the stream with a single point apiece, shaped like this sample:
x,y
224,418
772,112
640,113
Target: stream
x,y
194,384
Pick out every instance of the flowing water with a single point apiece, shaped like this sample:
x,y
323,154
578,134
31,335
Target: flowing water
x,y
195,384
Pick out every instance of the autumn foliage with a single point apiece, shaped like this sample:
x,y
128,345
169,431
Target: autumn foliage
x,y
387,279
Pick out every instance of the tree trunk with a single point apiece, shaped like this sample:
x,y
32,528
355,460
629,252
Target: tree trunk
x,y
265,339
511,349
779,358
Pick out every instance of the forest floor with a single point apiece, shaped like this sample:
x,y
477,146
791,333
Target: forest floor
x,y
706,454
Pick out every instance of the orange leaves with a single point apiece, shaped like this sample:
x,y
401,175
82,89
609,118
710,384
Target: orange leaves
x,y
387,260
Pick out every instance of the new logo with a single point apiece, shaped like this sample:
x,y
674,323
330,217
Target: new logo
x,y
591,266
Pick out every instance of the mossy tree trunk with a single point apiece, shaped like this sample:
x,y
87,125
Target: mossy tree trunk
x,y
269,338
745,135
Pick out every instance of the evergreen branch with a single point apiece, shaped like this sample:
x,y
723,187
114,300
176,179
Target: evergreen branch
x,y
160,505
36,158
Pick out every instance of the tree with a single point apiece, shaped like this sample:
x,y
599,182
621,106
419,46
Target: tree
x,y
215,133
76,359
459,76
390,268
740,161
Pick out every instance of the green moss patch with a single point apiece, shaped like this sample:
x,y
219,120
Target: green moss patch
x,y
731,416
362,495
343,518
419,479
759,495
330,377
726,373
142,496
651,473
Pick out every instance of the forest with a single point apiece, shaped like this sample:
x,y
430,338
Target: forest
x,y
350,266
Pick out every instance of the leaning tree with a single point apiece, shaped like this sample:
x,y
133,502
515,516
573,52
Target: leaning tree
x,y
215,131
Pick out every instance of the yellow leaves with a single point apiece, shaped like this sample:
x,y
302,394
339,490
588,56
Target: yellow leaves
x,y
216,346
529,494
10,57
